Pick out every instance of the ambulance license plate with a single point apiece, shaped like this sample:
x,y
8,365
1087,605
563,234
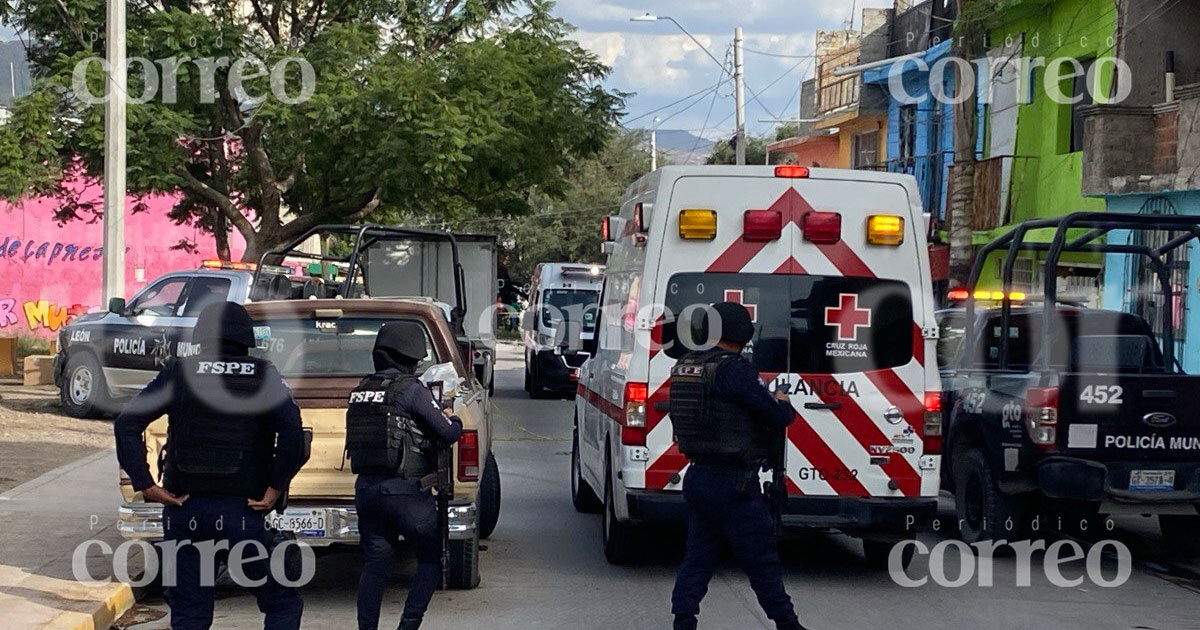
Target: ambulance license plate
x,y
1152,480
305,522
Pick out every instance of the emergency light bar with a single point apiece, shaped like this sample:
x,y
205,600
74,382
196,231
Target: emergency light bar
x,y
233,266
791,171
961,295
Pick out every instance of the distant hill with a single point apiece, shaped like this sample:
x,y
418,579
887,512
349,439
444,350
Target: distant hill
x,y
678,145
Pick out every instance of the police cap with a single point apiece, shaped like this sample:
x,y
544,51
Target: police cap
x,y
226,322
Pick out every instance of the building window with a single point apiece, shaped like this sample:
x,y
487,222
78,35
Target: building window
x,y
1079,90
865,149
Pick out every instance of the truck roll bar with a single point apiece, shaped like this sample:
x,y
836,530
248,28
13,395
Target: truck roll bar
x,y
1098,225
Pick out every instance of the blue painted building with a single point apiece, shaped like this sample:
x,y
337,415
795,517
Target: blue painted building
x,y
920,125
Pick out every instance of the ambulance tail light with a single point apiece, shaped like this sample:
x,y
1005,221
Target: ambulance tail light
x,y
762,225
931,430
468,456
1041,416
822,228
633,430
641,217
607,233
791,171
697,225
885,229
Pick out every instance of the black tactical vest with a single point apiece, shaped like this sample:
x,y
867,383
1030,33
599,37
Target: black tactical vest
x,y
381,439
220,439
708,428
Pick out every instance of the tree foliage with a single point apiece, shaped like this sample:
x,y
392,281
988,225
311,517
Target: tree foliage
x,y
443,108
566,228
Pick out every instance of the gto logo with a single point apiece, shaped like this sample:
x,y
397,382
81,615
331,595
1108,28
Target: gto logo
x,y
1158,420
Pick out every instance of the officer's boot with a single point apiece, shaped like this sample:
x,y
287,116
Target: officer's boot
x,y
409,624
685,622
790,624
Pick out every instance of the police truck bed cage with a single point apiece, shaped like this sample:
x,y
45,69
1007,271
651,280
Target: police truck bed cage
x,y
364,238
1098,225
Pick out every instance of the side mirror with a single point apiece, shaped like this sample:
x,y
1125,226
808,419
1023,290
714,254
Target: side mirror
x,y
116,306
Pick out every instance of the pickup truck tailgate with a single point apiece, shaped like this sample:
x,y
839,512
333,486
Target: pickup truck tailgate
x,y
1130,416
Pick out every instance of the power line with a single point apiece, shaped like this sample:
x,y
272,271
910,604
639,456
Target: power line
x,y
779,55
668,105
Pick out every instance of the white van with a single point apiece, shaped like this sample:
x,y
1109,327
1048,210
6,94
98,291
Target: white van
x,y
833,266
563,303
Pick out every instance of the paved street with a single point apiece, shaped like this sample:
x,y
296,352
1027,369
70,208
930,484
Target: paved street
x,y
543,568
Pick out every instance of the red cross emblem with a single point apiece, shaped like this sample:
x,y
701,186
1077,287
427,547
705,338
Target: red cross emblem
x,y
847,317
737,295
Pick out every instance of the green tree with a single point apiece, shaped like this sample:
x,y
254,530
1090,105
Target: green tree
x,y
724,152
442,108
566,228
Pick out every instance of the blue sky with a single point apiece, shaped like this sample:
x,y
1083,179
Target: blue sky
x,y
661,65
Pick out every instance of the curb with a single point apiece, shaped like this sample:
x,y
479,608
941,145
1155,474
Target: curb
x,y
119,600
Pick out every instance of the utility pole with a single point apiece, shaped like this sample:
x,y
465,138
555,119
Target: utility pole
x,y
654,145
114,156
739,76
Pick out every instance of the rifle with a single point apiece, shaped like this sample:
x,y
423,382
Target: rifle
x,y
445,490
776,489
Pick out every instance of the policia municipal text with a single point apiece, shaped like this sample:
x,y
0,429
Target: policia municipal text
x,y
393,430
724,419
234,443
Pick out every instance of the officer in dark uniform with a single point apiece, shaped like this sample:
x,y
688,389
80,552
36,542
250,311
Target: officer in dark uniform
x,y
724,418
234,443
393,430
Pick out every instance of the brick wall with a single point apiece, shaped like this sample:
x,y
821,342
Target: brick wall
x,y
1166,141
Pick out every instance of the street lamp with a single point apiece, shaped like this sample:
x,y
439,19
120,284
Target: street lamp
x,y
738,74
654,144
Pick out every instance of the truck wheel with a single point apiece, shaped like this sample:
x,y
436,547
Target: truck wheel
x,y
877,552
83,393
535,386
489,497
618,537
984,513
582,496
463,572
1181,533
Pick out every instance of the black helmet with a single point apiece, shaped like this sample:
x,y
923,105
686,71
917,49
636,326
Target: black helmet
x,y
399,345
736,326
224,322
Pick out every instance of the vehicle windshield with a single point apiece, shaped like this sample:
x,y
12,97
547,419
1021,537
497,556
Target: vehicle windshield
x,y
803,324
333,347
1080,341
575,305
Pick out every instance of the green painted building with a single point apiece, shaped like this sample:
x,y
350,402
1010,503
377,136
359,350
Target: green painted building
x,y
1032,156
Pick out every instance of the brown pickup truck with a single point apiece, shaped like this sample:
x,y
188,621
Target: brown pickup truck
x,y
323,348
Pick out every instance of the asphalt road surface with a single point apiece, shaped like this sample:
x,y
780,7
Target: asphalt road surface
x,y
543,568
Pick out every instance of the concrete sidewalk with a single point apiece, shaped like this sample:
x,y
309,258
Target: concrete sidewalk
x,y
42,522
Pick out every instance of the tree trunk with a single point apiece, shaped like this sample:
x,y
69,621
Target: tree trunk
x,y
221,236
962,202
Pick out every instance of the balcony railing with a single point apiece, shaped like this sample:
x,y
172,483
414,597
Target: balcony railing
x,y
839,93
930,173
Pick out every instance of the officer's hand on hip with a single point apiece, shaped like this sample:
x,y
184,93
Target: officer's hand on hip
x,y
157,494
268,501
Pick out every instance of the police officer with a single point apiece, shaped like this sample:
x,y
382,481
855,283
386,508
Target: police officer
x,y
234,443
393,430
723,418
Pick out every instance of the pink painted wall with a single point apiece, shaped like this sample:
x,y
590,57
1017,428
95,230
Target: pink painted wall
x,y
49,273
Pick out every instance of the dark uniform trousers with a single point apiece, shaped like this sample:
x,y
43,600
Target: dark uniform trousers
x,y
204,518
389,509
725,509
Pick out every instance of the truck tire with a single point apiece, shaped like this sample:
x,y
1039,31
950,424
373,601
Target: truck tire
x,y
83,393
463,572
983,512
1181,533
877,552
582,496
619,538
489,497
536,392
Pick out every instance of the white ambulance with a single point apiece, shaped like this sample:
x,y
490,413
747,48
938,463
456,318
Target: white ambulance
x,y
833,266
562,310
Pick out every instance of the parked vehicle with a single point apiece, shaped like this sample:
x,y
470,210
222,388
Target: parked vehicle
x,y
834,269
563,299
1062,411
107,357
322,346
